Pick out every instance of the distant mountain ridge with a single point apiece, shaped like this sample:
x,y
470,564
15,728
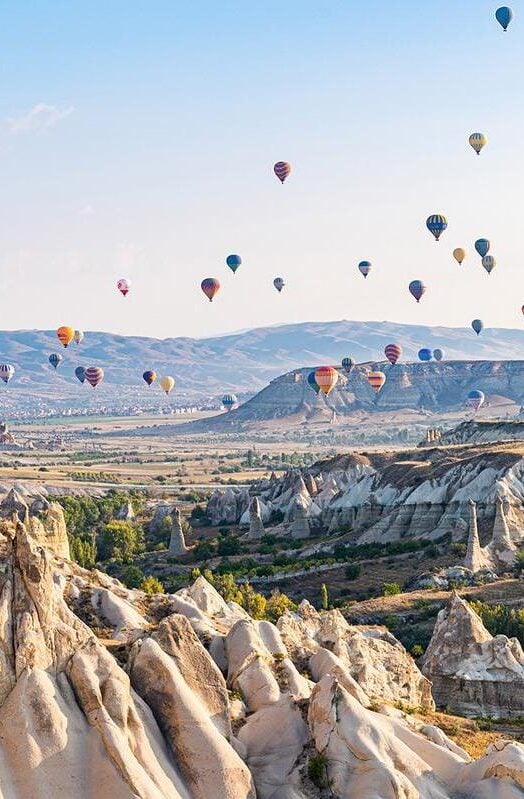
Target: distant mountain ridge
x,y
242,362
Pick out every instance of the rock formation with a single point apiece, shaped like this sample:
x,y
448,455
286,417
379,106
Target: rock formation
x,y
502,549
256,525
475,559
300,524
177,544
472,672
45,520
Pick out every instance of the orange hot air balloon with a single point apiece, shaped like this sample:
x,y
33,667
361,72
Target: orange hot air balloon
x,y
65,335
210,286
327,378
376,380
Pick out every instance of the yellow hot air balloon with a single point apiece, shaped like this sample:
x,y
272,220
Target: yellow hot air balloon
x,y
65,335
478,141
459,254
376,380
167,383
327,378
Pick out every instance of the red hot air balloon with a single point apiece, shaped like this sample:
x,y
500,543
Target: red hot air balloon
x,y
282,170
327,378
393,352
94,375
210,286
376,380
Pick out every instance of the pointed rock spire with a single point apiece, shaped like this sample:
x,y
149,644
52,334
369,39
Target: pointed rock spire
x,y
177,544
256,525
474,560
14,504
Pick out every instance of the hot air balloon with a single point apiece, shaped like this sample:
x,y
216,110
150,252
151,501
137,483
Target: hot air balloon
x,y
123,285
459,254
425,354
376,380
78,337
327,378
489,263
6,372
482,247
312,382
478,141
475,399
438,355
55,359
348,364
523,309
365,267
65,335
417,289
210,286
167,384
149,376
94,375
233,261
393,352
80,373
282,170
229,401
436,224
504,15
278,284
478,326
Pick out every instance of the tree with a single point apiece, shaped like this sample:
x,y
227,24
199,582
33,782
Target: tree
x,y
352,571
253,603
133,577
204,550
229,545
150,585
277,604
324,596
120,540
225,585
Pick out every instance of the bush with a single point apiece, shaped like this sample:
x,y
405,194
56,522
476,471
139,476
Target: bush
x,y
277,604
417,651
391,589
150,585
352,571
317,770
133,577
229,545
501,620
120,541
204,550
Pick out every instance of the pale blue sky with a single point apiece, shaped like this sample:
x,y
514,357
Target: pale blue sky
x,y
137,139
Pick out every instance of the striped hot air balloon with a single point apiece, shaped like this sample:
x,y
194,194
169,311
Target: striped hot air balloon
x,y
282,170
65,335
210,286
149,376
489,263
123,285
348,364
436,224
278,284
478,141
425,355
393,352
80,374
233,261
79,336
229,401
327,378
55,359
475,399
417,288
438,355
459,254
6,372
376,380
365,268
312,382
94,375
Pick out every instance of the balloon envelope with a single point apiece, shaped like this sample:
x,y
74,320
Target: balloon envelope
x,y
478,141
6,372
123,285
348,364
278,284
475,399
282,170
210,286
425,354
327,378
229,401
94,375
65,335
478,326
489,263
233,261
365,267
55,359
482,247
167,383
79,336
149,376
376,380
438,355
417,289
504,15
393,352
312,382
436,224
459,254
80,373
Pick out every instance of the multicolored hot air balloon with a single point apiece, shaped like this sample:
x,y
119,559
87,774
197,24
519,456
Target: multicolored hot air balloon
x,y
438,355
417,288
348,364
482,247
210,286
78,337
475,399
504,15
376,380
393,352
229,401
282,170
365,267
489,263
167,383
478,141
459,254
478,326
425,354
312,383
6,372
55,359
233,261
65,335
94,375
436,224
80,373
278,284
123,285
149,376
327,378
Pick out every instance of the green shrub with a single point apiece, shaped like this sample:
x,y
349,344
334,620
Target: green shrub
x,y
317,770
150,585
352,571
391,589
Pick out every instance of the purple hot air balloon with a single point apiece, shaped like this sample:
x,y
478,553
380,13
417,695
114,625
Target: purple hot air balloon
x,y
282,170
417,289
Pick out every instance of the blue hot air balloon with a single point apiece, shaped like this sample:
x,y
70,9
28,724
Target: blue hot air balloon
x,y
436,224
417,289
475,399
504,15
478,326
348,364
229,401
233,261
438,355
55,359
80,373
312,382
482,247
425,355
